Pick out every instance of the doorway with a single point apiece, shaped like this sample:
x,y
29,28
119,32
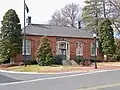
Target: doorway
x,y
63,49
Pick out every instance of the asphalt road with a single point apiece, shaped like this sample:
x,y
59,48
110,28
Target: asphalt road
x,y
5,79
93,81
25,77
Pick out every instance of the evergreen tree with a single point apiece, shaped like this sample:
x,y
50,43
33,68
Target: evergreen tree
x,y
11,39
107,38
91,14
95,10
116,56
44,54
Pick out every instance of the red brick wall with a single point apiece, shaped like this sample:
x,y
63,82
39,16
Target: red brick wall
x,y
86,47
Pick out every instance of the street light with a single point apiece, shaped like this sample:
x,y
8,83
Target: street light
x,y
94,35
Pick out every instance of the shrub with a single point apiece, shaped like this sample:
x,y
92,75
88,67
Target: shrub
x,y
4,61
57,60
86,62
92,60
116,57
32,62
7,65
1,61
79,59
44,55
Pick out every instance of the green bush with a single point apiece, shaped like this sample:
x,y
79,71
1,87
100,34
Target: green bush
x,y
32,62
2,60
92,59
116,57
8,65
57,60
79,59
44,55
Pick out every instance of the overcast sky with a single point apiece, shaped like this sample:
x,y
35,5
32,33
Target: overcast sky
x,y
40,10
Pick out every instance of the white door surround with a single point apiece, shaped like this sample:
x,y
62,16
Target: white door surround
x,y
63,48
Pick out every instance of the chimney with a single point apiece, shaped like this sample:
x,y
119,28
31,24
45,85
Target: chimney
x,y
79,24
29,20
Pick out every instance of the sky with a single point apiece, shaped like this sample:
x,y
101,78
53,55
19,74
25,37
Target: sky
x,y
39,10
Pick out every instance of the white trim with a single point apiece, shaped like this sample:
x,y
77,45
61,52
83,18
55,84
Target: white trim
x,y
68,51
27,42
97,44
81,52
94,54
91,45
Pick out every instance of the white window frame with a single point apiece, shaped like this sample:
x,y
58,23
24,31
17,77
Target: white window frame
x,y
80,49
97,44
95,49
57,46
28,47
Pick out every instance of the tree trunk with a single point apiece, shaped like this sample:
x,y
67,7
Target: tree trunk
x,y
104,9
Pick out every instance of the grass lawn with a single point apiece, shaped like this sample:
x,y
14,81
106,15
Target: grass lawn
x,y
110,63
50,69
36,68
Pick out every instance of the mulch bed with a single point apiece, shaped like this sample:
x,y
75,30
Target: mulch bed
x,y
6,65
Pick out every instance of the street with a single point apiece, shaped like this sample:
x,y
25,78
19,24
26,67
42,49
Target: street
x,y
75,81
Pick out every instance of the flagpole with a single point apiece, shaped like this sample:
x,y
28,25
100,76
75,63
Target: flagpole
x,y
24,38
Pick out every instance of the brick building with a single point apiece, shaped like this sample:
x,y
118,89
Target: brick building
x,y
68,41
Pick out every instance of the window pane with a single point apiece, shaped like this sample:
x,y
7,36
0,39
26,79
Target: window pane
x,y
62,47
28,47
79,48
93,49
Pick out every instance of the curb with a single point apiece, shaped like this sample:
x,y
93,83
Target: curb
x,y
69,72
59,77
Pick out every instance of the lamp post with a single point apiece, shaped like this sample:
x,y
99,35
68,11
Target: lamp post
x,y
24,38
94,35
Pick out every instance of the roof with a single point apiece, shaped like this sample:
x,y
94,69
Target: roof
x,y
51,30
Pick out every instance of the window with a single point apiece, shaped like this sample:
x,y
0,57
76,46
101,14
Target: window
x,y
28,47
97,43
93,49
79,49
60,46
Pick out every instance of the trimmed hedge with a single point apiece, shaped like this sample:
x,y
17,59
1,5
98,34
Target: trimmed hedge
x,y
7,65
57,60
32,62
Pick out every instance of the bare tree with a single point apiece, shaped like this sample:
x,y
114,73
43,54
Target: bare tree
x,y
116,4
115,13
66,16
70,11
58,19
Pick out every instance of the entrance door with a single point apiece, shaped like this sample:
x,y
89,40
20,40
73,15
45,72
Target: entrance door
x,y
63,49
